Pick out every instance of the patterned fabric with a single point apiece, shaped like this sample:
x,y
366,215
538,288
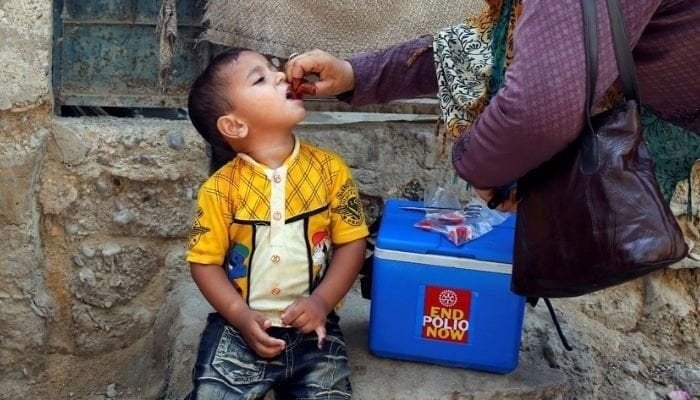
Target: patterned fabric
x,y
470,63
674,151
275,227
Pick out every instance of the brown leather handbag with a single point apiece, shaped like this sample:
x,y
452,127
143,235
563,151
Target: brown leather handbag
x,y
593,216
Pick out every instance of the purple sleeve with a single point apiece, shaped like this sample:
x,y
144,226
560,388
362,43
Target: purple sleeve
x,y
540,108
386,75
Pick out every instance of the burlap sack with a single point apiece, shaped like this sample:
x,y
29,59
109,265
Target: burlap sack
x,y
341,27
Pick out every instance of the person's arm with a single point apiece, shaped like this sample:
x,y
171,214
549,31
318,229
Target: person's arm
x,y
341,274
309,314
402,71
221,294
540,108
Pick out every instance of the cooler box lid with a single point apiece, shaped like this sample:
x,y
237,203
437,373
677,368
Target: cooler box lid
x,y
396,232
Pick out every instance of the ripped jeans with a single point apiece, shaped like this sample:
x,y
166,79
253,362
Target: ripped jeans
x,y
228,369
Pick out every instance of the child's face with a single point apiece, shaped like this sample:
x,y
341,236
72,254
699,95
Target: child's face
x,y
261,94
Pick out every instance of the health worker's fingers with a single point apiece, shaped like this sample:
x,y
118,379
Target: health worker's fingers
x,y
335,75
511,203
485,194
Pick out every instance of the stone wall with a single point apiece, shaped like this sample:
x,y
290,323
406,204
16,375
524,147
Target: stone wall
x,y
95,296
102,208
25,304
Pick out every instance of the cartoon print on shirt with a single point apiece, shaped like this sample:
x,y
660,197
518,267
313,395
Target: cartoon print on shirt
x,y
235,262
197,229
350,207
319,254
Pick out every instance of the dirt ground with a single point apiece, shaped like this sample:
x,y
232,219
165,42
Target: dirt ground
x,y
619,351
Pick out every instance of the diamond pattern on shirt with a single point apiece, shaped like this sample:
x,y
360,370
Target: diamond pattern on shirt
x,y
309,178
306,188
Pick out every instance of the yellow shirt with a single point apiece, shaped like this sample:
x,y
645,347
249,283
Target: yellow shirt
x,y
277,225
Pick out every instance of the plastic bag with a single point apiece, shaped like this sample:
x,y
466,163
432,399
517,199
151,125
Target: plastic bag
x,y
458,224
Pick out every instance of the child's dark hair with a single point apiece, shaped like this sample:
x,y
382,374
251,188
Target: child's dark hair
x,y
207,102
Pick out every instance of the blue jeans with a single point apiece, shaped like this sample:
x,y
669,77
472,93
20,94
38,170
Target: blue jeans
x,y
228,369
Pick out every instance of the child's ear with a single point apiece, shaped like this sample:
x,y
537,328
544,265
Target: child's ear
x,y
232,127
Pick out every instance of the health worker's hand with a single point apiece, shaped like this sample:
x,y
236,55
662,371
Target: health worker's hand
x,y
508,205
307,315
335,76
253,326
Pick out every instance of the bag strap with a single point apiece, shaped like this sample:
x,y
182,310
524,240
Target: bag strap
x,y
553,315
625,66
590,43
623,52
589,144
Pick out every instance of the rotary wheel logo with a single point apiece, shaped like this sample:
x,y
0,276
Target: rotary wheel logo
x,y
447,298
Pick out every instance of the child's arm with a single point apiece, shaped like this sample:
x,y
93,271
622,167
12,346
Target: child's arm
x,y
218,290
309,314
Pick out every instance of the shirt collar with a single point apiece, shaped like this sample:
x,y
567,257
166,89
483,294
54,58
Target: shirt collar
x,y
287,162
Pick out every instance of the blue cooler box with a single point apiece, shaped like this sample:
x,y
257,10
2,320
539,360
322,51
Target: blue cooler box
x,y
438,303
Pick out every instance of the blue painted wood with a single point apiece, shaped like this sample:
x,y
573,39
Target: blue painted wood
x,y
106,53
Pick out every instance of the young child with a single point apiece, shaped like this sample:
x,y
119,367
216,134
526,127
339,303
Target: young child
x,y
270,214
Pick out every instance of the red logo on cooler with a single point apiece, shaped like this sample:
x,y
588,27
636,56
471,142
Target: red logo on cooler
x,y
446,314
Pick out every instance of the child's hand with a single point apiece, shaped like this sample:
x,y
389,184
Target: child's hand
x,y
253,326
308,314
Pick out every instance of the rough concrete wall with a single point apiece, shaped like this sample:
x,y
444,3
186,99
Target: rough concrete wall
x,y
25,62
116,198
25,306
